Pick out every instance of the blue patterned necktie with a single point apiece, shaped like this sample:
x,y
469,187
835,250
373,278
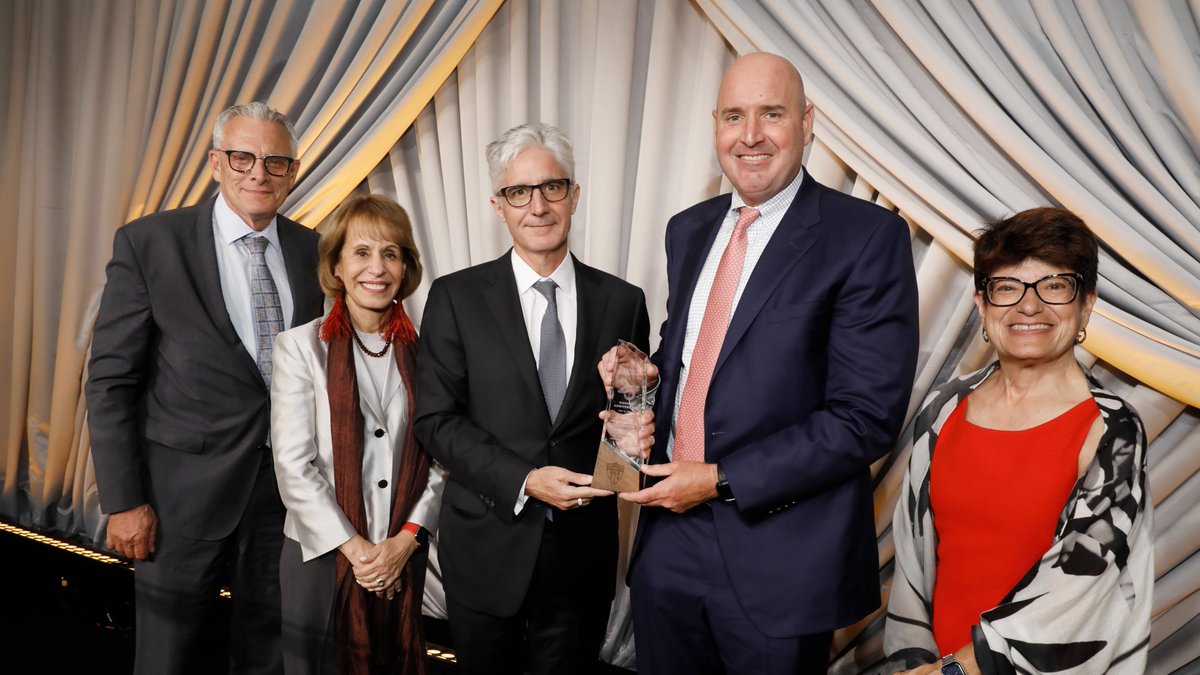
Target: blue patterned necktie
x,y
552,354
268,312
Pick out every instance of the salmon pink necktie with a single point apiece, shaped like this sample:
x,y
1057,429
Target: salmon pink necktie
x,y
689,422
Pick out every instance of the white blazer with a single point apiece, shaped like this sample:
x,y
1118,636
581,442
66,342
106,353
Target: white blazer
x,y
303,451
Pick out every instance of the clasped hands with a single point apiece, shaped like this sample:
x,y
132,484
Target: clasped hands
x,y
377,567
684,485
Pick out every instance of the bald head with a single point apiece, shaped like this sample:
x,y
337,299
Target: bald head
x,y
761,125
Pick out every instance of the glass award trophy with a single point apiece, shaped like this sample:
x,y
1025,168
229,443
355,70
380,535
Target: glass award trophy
x,y
619,459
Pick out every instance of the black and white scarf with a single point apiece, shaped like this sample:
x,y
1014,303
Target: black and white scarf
x,y
1084,608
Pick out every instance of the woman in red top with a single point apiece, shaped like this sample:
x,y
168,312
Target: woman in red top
x,y
1022,542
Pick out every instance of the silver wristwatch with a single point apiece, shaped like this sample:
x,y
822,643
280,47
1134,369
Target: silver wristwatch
x,y
951,666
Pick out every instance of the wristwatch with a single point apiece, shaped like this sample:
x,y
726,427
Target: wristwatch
x,y
724,492
951,666
422,536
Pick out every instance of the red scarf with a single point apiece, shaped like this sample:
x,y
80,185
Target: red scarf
x,y
370,632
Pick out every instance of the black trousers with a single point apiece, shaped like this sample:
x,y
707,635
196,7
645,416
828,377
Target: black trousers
x,y
550,634
176,594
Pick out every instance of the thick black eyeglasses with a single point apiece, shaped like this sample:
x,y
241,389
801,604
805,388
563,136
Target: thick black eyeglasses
x,y
553,190
243,162
1055,289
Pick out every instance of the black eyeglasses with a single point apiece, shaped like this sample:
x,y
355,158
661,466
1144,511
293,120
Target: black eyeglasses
x,y
243,162
1055,289
553,190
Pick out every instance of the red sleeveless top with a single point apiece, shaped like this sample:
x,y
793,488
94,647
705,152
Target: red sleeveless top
x,y
996,497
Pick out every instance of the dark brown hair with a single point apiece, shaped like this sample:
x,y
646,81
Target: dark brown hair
x,y
1052,235
388,219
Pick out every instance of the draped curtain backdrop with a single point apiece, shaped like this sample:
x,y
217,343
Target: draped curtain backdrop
x,y
951,112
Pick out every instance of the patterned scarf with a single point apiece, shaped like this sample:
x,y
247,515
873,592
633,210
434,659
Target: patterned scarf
x,y
372,632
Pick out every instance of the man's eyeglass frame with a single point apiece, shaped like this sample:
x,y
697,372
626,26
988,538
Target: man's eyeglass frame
x,y
266,167
503,192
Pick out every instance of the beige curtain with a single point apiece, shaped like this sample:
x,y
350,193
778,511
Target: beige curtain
x,y
959,112
951,112
631,83
108,110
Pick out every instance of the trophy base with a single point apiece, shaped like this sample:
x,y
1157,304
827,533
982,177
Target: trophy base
x,y
615,471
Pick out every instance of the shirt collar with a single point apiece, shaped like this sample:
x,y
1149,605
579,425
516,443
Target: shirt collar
x,y
783,198
230,226
564,276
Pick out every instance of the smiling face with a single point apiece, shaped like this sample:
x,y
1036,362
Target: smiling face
x,y
539,229
255,195
372,270
1032,331
761,125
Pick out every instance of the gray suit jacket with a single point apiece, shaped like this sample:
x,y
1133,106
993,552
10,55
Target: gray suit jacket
x,y
177,410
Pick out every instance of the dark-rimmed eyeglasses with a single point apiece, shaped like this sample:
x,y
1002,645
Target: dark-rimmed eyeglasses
x,y
553,190
1054,289
243,162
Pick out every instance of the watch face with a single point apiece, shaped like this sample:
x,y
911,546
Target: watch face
x,y
953,669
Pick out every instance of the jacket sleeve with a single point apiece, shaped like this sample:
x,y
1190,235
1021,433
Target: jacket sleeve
x,y
474,457
117,374
307,493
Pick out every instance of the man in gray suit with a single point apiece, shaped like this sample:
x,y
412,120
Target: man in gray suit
x,y
178,398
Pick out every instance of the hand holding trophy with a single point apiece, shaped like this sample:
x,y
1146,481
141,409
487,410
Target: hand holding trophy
x,y
627,420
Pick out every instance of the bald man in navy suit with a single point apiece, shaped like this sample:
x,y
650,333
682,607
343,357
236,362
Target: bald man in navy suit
x,y
786,361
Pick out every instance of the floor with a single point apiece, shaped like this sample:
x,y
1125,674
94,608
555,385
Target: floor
x,y
63,613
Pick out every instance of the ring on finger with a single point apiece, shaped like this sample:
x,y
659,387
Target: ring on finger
x,y
579,501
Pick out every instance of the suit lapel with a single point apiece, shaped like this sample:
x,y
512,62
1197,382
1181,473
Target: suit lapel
x,y
590,307
368,393
207,273
298,272
500,294
792,239
696,238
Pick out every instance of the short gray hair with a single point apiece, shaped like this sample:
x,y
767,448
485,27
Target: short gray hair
x,y
502,151
258,111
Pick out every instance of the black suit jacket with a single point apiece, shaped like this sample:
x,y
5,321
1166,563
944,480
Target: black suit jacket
x,y
177,409
481,413
810,387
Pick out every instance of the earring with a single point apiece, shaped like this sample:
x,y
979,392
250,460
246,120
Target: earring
x,y
1079,338
985,336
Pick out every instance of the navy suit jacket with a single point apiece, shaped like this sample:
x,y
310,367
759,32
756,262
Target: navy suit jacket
x,y
481,413
177,409
810,387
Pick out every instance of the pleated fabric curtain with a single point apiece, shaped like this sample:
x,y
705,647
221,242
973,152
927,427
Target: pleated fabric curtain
x,y
963,112
632,85
944,179
951,112
108,111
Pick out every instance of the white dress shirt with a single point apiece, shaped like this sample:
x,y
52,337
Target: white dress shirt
x,y
533,309
234,261
758,234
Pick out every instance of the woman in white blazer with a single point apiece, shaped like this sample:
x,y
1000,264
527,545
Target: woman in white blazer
x,y
361,493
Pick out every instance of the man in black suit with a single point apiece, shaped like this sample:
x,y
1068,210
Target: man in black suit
x,y
508,402
178,398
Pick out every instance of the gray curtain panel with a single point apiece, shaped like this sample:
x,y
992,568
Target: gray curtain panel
x,y
951,112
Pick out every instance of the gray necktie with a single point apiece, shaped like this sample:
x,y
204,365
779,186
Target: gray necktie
x,y
552,355
268,312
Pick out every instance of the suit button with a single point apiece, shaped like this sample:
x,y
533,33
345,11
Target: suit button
x,y
379,433
554,444
383,483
